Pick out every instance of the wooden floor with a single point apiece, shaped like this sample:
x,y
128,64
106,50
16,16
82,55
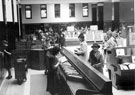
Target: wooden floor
x,y
10,87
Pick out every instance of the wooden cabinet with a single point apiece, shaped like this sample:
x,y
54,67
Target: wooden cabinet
x,y
120,73
37,59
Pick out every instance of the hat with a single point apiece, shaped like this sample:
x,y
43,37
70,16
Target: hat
x,y
81,36
54,50
114,34
95,45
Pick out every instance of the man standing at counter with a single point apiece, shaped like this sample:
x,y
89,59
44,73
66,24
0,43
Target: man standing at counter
x,y
96,58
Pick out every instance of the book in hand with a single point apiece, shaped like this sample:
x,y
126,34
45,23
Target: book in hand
x,y
62,59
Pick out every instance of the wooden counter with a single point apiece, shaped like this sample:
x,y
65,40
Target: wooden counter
x,y
93,83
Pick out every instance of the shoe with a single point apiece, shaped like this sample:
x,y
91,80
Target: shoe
x,y
9,77
25,79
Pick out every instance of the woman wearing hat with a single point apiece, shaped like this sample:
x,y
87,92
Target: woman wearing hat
x,y
7,54
96,58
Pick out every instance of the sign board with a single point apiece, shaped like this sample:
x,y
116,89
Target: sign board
x,y
120,52
94,35
99,35
132,38
93,27
133,59
70,28
90,36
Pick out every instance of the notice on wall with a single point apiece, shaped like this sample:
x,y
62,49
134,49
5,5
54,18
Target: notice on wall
x,y
70,28
94,27
120,52
94,35
132,38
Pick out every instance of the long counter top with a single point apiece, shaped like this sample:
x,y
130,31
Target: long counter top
x,y
93,82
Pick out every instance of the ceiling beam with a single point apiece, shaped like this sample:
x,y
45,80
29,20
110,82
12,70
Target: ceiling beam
x,y
60,1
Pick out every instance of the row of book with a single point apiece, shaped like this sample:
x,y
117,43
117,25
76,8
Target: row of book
x,y
127,66
69,70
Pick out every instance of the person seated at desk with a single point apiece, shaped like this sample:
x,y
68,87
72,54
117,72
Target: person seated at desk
x,y
83,46
96,58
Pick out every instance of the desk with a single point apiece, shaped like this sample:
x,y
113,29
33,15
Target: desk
x,y
37,59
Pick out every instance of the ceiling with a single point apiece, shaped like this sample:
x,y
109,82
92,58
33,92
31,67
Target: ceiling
x,y
62,1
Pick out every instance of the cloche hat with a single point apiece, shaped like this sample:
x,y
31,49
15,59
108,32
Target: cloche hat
x,y
95,45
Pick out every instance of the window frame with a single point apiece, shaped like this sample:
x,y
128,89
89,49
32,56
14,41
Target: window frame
x,y
72,10
83,5
56,11
44,9
28,9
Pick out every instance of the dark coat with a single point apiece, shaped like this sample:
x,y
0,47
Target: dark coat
x,y
53,81
7,58
96,58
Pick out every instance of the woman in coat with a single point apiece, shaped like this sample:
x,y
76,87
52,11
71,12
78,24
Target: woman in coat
x,y
53,77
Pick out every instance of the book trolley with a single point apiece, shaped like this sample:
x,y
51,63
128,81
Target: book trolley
x,y
20,65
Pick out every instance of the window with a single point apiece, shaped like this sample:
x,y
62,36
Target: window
x,y
71,10
43,11
28,12
85,9
57,10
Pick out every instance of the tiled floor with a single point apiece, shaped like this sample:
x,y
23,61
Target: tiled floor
x,y
10,87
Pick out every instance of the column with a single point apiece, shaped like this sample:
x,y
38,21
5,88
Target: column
x,y
94,14
116,21
100,16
